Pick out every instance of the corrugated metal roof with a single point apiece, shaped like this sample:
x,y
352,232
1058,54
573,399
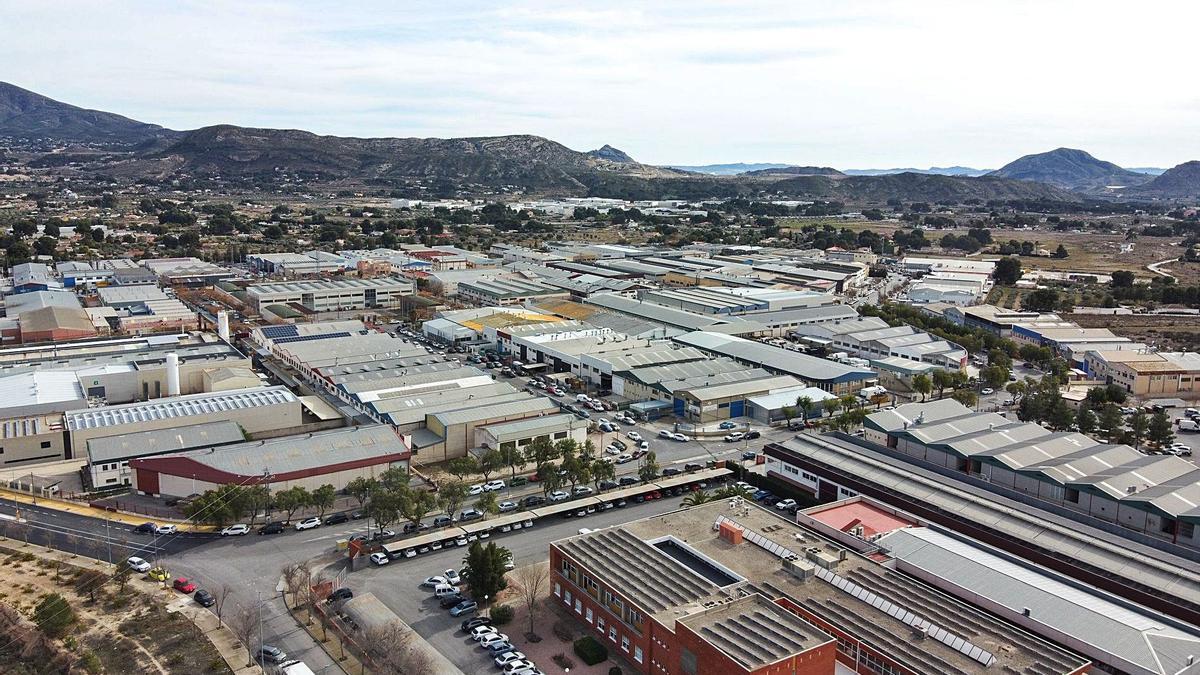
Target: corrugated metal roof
x,y
37,388
125,446
179,407
529,405
806,367
1131,634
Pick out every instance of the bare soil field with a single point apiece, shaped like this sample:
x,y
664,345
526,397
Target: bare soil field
x,y
1168,333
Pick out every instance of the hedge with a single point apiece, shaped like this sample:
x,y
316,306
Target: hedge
x,y
501,614
590,651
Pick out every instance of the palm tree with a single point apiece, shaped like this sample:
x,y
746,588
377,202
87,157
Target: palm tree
x,y
697,498
804,403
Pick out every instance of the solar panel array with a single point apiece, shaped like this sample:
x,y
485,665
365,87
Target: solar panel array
x,y
277,332
309,338
757,539
897,612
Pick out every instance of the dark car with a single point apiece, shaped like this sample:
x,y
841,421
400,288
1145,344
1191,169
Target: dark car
x,y
692,466
342,593
358,515
205,598
533,500
751,435
671,471
271,528
337,519
470,624
628,480
448,601
608,484
145,528
749,455
441,521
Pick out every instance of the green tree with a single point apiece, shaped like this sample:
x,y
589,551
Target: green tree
x,y
511,457
292,500
1086,420
323,499
1160,433
488,503
920,384
1007,271
361,489
53,615
648,469
967,397
394,479
942,381
451,496
540,452
1059,415
805,404
461,467
602,471
1110,422
1060,252
697,498
1139,426
1041,300
416,503
995,376
489,462
831,406
483,570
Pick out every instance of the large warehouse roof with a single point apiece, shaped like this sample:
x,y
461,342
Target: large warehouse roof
x,y
209,434
805,367
178,407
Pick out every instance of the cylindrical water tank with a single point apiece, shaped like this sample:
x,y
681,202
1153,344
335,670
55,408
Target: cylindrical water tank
x,y
172,374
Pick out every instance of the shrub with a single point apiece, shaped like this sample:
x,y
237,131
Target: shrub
x,y
590,651
561,660
53,615
501,614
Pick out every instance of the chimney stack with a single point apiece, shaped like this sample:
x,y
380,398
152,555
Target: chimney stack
x,y
172,374
223,325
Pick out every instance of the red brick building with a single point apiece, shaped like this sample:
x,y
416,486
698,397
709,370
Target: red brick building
x,y
729,588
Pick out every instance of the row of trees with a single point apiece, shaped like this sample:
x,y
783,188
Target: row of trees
x,y
232,503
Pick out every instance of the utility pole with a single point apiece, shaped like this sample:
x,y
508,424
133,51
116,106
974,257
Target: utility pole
x,y
107,537
258,599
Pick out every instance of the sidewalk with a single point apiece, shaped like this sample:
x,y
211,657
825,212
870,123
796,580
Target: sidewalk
x,y
80,509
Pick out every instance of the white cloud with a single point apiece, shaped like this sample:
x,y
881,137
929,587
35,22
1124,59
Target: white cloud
x,y
848,84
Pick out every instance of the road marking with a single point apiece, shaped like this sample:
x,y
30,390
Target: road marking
x,y
318,538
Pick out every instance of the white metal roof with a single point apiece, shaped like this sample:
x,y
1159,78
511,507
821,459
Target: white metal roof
x,y
178,407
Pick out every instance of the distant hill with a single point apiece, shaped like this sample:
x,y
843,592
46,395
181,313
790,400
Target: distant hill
x,y
1180,182
25,114
1148,170
726,169
796,171
1071,170
918,187
933,170
611,154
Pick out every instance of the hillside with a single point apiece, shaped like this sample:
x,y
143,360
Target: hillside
x,y
25,114
611,154
936,170
795,171
726,169
1071,170
1180,182
918,187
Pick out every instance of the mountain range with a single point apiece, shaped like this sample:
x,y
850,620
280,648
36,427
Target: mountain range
x,y
112,145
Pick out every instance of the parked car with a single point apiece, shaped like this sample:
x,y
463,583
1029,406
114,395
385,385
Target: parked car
x,y
624,458
749,454
493,639
470,514
508,657
608,484
476,490
464,607
582,490
145,528
671,471
138,564
627,480
271,528
308,524
159,574
471,624
559,496
506,506
342,593
184,585
236,530
734,437
987,391
478,632
204,598
726,425
751,435
680,437
633,435
785,504
533,500
271,654
166,529
379,558
493,485
337,519
433,582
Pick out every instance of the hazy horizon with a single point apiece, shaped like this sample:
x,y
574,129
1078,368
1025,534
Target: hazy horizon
x,y
849,85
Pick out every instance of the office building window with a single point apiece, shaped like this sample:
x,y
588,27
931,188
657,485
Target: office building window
x,y
557,589
637,654
625,643
612,633
588,615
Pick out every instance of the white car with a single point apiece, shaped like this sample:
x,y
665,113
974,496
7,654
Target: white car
x,y
597,406
479,631
494,638
517,666
624,458
452,577
138,565
582,398
433,582
166,529
612,450
476,490
665,433
627,420
505,507
508,657
680,437
493,485
236,530
987,391
380,558
461,541
734,437
785,504
634,435
558,496
308,524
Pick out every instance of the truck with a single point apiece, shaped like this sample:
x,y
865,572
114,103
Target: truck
x,y
1189,425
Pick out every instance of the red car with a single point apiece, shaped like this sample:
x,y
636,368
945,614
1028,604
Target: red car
x,y
182,584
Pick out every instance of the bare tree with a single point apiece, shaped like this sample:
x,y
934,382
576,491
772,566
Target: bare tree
x,y
531,582
244,624
73,543
221,598
393,650
292,580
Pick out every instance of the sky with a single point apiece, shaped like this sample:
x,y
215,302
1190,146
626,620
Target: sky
x,y
843,83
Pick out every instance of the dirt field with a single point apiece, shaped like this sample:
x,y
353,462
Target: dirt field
x,y
118,633
1167,333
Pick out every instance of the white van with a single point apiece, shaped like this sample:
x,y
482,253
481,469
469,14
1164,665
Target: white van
x,y
442,590
294,668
